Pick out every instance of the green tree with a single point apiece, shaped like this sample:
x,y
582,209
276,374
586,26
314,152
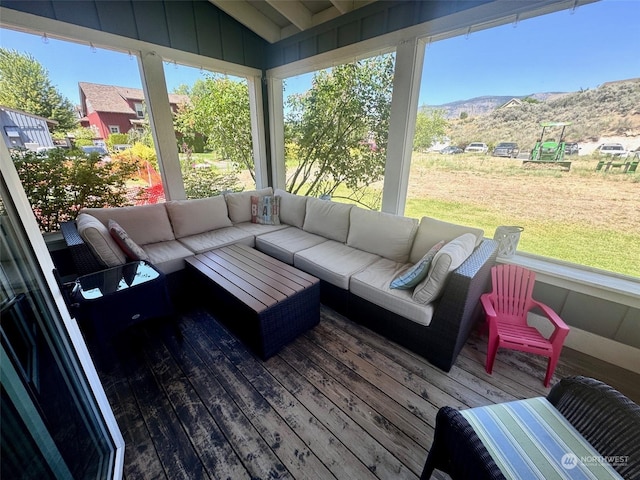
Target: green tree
x,y
25,85
430,126
219,111
339,129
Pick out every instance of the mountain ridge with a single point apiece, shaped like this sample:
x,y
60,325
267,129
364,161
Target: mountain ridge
x,y
485,104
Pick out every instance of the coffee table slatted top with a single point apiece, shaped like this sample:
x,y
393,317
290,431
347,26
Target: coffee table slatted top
x,y
256,279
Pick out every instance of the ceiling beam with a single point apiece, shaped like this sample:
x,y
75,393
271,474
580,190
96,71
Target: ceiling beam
x,y
250,17
343,6
294,11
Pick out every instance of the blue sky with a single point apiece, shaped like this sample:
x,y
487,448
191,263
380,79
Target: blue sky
x,y
564,51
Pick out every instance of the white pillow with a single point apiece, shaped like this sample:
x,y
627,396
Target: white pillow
x,y
384,234
450,257
432,230
328,219
190,217
100,241
239,204
292,208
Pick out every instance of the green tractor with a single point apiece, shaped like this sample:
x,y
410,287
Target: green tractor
x,y
550,151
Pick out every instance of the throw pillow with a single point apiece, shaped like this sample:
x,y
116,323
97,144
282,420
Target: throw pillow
x,y
100,241
415,274
130,248
265,210
450,257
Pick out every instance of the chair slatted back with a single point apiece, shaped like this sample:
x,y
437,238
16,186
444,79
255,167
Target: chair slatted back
x,y
512,290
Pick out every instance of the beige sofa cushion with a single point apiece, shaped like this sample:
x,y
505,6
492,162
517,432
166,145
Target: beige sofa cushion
x,y
448,258
167,256
372,284
390,236
333,262
100,241
189,217
239,204
205,241
285,243
327,218
431,231
144,223
292,208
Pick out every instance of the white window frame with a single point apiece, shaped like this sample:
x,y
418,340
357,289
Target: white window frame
x,y
139,108
114,128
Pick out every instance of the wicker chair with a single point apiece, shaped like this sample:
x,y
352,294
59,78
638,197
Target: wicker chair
x,y
608,420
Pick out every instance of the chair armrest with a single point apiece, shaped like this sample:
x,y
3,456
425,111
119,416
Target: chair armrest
x,y
81,254
458,451
606,418
551,315
487,304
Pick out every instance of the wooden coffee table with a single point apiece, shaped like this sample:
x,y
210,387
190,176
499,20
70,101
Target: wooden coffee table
x,y
264,301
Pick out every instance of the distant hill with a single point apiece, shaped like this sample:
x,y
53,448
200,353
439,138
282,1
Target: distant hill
x,y
612,109
485,104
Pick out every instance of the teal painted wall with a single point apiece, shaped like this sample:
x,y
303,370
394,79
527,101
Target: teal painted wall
x,y
194,26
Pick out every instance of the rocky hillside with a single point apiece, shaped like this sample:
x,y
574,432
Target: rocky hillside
x,y
479,106
611,110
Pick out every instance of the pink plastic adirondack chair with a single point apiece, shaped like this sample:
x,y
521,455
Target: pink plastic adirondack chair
x,y
506,309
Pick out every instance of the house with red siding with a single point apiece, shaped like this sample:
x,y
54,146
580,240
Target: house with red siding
x,y
111,109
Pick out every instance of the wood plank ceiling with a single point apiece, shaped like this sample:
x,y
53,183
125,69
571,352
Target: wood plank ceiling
x,y
275,20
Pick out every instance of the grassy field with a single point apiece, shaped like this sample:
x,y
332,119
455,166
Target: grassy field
x,y
581,216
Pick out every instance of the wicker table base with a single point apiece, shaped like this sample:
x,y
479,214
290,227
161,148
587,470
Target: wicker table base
x,y
265,302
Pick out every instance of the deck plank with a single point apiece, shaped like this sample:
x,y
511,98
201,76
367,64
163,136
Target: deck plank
x,y
338,402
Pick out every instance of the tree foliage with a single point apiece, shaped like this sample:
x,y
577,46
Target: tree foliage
x,y
25,85
339,128
219,110
62,182
430,127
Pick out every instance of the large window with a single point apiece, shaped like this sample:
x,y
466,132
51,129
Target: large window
x,y
213,127
87,100
500,85
336,130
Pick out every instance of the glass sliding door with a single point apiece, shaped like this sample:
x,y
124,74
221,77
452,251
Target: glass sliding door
x,y
55,420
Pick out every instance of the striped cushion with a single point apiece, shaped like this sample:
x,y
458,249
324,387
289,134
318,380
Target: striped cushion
x,y
531,439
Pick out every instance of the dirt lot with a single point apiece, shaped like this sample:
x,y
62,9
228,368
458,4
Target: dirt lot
x,y
579,196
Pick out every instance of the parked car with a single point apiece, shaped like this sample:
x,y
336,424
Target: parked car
x,y
451,150
611,150
506,149
571,148
477,147
101,151
89,149
121,147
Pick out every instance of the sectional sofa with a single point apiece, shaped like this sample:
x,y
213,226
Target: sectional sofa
x,y
356,254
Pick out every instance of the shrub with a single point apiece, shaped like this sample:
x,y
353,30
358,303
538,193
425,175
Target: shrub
x,y
117,139
61,183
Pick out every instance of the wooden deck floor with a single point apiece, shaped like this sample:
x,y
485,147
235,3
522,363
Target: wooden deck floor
x,y
339,402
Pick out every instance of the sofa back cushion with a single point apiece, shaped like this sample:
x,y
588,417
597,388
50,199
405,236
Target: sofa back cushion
x,y
432,231
448,258
239,204
190,217
144,223
292,208
100,241
327,218
390,236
